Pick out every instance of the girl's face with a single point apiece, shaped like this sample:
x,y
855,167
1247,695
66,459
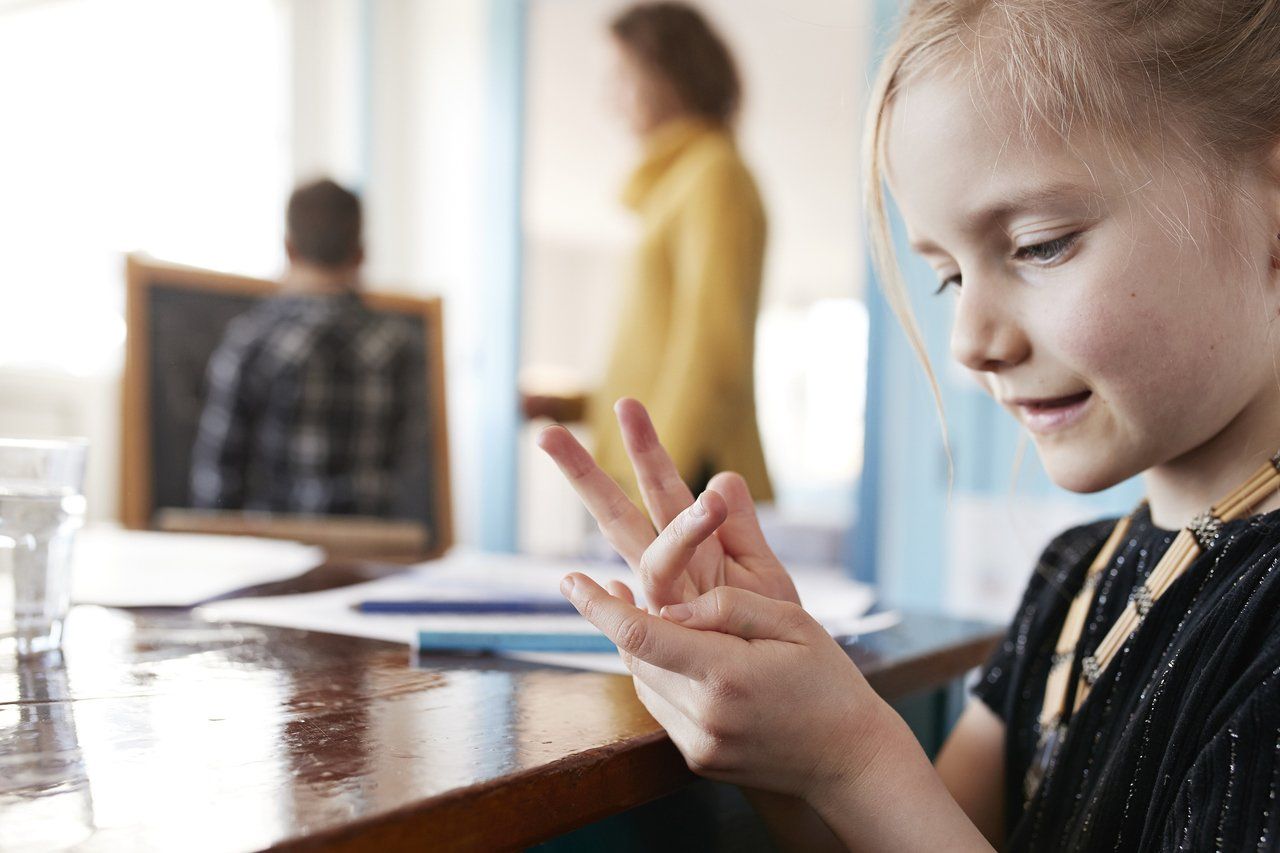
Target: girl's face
x,y
1120,321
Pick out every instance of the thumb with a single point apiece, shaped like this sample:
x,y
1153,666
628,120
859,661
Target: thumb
x,y
744,614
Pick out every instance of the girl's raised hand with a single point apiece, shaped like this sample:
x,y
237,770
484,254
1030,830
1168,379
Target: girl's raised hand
x,y
751,690
730,549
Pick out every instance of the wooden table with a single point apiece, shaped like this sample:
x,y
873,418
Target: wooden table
x,y
158,731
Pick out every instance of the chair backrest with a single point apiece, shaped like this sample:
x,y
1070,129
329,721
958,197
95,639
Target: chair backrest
x,y
176,317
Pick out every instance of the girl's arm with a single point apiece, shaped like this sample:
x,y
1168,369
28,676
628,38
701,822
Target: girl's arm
x,y
897,801
792,823
971,765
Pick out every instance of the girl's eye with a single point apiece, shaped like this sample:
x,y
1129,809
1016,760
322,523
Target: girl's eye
x,y
1037,253
1048,251
947,284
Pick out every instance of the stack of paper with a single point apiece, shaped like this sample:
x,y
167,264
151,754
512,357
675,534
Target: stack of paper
x,y
134,568
838,603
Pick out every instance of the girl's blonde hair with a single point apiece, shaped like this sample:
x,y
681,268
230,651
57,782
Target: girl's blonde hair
x,y
1187,80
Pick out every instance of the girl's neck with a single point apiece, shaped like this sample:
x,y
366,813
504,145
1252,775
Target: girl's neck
x,y
1182,488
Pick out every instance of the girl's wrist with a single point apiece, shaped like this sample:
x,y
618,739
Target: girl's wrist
x,y
888,792
870,740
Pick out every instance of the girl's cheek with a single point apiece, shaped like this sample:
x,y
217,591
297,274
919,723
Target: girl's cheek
x,y
1094,337
1119,318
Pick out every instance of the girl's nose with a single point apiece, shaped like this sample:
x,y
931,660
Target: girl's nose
x,y
986,336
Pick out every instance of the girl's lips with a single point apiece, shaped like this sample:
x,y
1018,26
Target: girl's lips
x,y
1049,415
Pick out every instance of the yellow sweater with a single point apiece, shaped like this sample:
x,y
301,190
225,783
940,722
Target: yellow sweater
x,y
686,339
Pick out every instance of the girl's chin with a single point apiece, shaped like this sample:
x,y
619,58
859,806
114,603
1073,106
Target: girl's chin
x,y
1082,472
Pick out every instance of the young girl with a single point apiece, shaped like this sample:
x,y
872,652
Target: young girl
x,y
1097,185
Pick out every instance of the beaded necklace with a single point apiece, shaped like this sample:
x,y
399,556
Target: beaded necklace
x,y
1194,539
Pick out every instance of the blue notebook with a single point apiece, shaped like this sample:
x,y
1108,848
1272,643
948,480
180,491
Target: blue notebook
x,y
512,641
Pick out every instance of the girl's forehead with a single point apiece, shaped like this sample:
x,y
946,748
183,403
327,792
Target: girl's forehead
x,y
963,167
957,157
957,124
948,148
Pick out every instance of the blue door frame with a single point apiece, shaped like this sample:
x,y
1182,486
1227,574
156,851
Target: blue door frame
x,y
499,409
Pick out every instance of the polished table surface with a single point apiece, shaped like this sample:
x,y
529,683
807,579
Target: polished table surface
x,y
159,731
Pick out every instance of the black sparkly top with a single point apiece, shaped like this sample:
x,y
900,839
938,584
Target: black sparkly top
x,y
1177,746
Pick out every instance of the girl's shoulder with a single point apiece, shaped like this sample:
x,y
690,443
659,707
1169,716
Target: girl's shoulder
x,y
1060,569
1070,543
1228,604
1058,575
1242,545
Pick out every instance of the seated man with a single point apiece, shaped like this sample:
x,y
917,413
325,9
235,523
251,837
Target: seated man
x,y
302,413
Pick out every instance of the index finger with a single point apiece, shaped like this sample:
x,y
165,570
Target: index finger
x,y
665,494
645,637
621,521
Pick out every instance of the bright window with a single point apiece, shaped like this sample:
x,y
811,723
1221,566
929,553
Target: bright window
x,y
152,125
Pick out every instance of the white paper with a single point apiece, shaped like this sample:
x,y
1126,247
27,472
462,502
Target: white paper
x,y
136,568
839,603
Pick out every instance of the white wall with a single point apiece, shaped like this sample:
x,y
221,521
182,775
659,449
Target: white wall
x,y
425,227
325,85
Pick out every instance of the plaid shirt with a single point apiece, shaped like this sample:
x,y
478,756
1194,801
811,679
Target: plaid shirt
x,y
302,412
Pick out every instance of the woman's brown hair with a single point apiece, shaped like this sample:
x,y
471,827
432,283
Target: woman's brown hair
x,y
676,41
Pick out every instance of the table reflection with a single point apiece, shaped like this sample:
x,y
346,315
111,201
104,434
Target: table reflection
x,y
44,789
159,731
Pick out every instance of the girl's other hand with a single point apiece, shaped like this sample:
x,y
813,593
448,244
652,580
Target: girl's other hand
x,y
751,690
730,548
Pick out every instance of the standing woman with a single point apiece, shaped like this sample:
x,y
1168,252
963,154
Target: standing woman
x,y
686,338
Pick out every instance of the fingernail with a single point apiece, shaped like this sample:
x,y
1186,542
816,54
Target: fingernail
x,y
566,586
677,612
699,508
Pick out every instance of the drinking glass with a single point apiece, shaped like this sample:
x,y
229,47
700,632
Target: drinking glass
x,y
41,507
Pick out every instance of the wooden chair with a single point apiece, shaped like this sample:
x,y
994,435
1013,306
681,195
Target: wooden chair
x,y
176,316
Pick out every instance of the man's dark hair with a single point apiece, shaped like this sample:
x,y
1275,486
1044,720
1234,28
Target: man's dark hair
x,y
323,223
675,40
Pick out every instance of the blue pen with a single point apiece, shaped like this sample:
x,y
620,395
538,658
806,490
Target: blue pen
x,y
548,606
512,641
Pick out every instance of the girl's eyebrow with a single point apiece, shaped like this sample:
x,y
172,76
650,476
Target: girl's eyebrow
x,y
1027,198
1003,209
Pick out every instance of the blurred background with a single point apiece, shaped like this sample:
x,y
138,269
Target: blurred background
x,y
482,137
